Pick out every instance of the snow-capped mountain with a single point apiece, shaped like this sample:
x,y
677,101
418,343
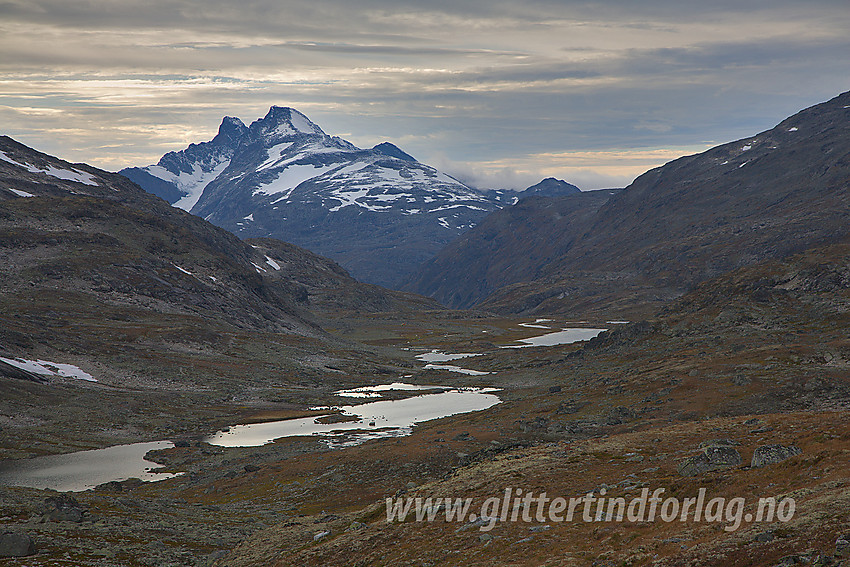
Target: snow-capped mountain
x,y
378,212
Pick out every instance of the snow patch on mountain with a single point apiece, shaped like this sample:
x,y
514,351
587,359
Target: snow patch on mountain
x,y
275,154
47,368
59,173
290,178
191,183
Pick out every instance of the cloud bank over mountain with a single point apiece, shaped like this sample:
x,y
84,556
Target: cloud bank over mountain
x,y
509,92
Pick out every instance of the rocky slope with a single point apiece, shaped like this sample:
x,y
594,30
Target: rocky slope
x,y
95,232
766,196
76,230
378,212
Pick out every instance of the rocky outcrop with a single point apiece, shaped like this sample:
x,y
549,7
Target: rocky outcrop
x,y
771,454
842,546
63,508
712,458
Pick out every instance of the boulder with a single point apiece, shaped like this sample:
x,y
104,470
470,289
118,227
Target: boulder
x,y
712,458
842,546
13,544
770,454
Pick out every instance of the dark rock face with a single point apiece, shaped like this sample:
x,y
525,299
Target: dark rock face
x,y
712,458
13,544
510,246
12,371
842,546
378,212
392,150
771,454
765,197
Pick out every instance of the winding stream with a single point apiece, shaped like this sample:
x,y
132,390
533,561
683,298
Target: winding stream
x,y
83,470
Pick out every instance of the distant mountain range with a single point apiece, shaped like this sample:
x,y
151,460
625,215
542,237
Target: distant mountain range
x,y
378,212
767,196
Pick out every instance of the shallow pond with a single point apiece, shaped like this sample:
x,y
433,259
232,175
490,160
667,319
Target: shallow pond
x,y
376,391
437,356
74,472
385,418
563,337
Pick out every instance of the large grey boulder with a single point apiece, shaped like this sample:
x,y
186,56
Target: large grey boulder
x,y
770,454
712,458
13,544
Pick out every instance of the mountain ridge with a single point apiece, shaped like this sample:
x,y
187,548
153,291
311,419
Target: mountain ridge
x,y
104,237
765,196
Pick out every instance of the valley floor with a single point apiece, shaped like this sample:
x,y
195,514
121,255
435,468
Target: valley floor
x,y
618,413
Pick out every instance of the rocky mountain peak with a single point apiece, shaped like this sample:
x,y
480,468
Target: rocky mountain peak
x,y
392,150
284,122
230,131
550,187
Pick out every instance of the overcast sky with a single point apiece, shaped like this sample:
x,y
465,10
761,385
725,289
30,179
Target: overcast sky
x,y
499,93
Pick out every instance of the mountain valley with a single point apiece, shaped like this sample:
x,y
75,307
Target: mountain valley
x,y
710,300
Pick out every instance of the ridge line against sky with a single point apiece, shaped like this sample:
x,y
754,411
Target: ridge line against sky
x,y
499,94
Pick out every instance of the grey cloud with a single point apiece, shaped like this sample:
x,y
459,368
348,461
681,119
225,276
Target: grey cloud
x,y
343,17
764,53
350,48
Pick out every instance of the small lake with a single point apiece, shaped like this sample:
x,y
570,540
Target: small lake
x,y
373,420
453,368
82,470
437,356
563,337
376,391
